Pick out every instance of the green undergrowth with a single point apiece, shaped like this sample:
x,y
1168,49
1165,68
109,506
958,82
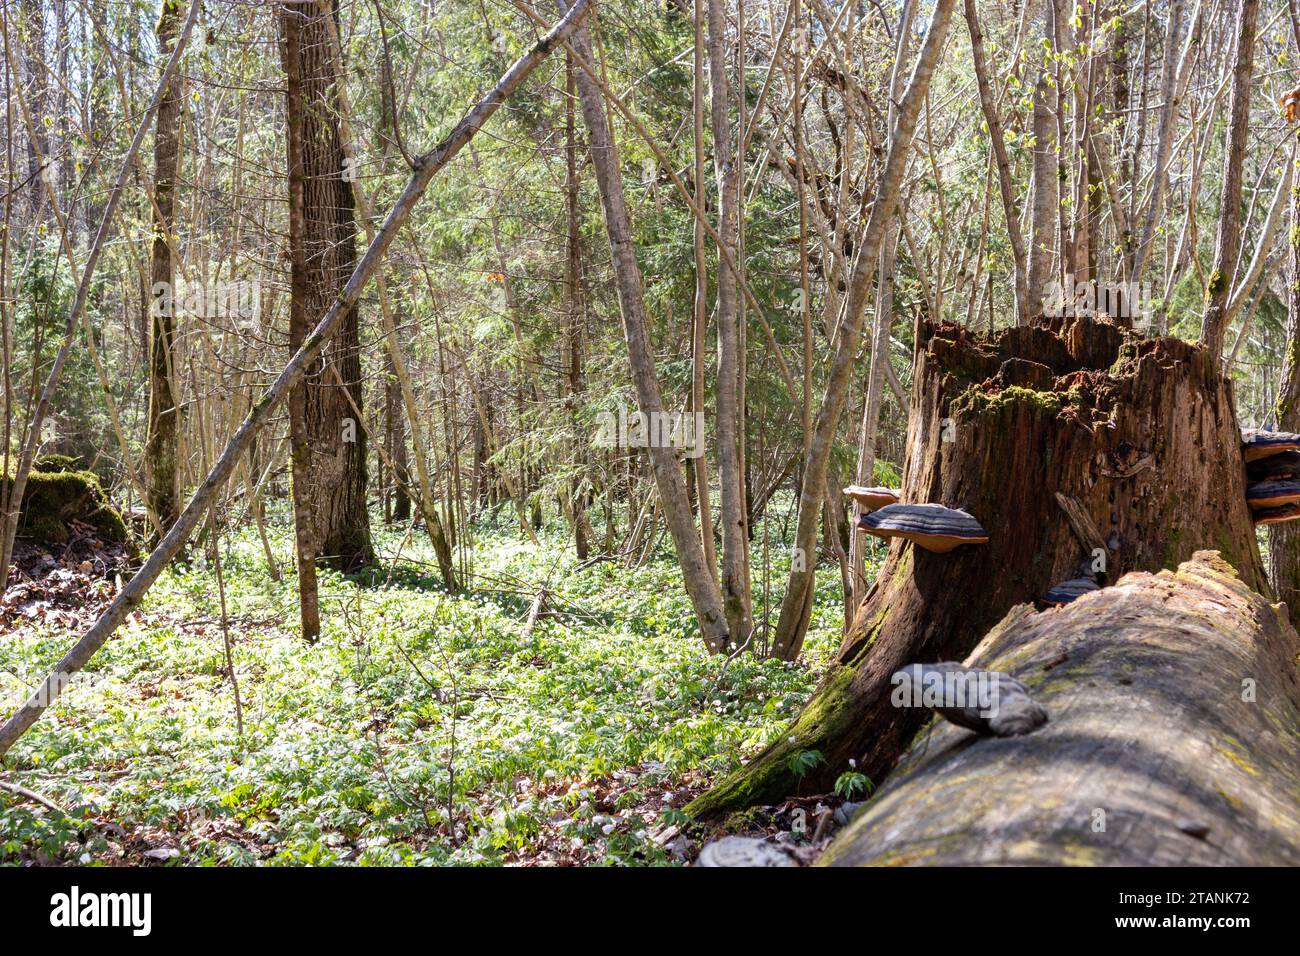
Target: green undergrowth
x,y
412,702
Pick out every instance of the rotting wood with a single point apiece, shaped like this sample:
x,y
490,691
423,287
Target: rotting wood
x,y
1171,740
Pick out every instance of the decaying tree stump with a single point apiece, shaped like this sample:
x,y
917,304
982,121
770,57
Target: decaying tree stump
x,y
1060,438
1174,717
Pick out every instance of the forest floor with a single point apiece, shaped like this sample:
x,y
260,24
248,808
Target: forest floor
x,y
422,729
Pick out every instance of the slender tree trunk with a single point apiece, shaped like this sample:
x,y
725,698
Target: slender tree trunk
x,y
395,415
1284,539
881,329
1164,139
1042,229
796,609
578,496
1227,242
735,542
160,448
1002,163
706,597
700,304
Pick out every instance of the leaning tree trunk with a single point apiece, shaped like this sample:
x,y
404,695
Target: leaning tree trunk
x,y
1060,438
1173,714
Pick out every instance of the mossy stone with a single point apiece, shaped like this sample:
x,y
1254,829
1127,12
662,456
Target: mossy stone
x,y
53,498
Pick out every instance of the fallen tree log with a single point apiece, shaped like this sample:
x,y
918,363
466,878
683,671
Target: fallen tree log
x,y
1073,442
1173,738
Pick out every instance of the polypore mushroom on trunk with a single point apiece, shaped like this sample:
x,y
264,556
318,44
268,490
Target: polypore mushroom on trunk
x,y
1283,465
1263,444
988,702
1276,515
1066,591
1272,494
872,498
932,527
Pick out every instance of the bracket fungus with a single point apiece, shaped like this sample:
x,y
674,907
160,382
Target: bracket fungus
x,y
932,527
1285,465
1058,595
988,702
732,851
1263,444
1272,494
872,498
1276,515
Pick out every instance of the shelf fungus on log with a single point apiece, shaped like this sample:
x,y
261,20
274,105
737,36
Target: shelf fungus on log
x,y
988,702
1172,740
1272,494
1284,466
933,527
1264,444
1276,515
1067,591
872,498
733,851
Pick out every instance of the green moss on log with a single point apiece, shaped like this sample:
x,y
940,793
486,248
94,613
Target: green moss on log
x,y
56,463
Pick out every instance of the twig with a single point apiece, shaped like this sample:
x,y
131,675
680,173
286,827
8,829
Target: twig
x,y
33,796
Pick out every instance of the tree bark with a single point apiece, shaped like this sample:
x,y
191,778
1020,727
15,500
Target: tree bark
x,y
1284,538
736,598
1169,88
394,417
1027,431
329,444
1227,244
998,142
162,486
796,608
576,319
706,597
1042,229
1173,711
879,367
